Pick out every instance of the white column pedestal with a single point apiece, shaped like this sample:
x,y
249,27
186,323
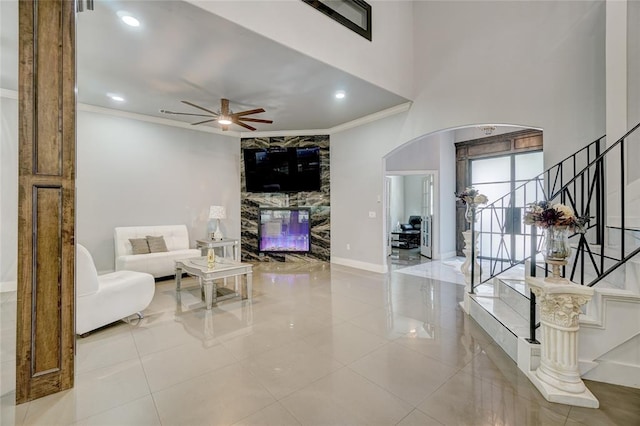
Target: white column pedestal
x,y
466,267
558,377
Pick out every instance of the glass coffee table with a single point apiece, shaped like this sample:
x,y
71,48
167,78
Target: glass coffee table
x,y
222,268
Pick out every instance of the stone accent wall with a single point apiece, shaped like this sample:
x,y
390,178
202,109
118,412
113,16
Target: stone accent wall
x,y
318,201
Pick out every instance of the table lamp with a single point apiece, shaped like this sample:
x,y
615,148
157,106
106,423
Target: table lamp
x,y
217,213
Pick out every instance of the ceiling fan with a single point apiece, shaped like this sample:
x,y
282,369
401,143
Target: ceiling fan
x,y
224,116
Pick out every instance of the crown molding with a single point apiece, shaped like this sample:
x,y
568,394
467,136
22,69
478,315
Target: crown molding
x,y
372,117
156,120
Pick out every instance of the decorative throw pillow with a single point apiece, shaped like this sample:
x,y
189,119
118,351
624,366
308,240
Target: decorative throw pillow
x,y
156,244
139,245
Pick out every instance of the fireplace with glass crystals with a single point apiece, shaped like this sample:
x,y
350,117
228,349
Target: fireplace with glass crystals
x,y
284,230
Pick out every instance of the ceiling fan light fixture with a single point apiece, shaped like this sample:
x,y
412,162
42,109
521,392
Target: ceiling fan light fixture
x,y
224,116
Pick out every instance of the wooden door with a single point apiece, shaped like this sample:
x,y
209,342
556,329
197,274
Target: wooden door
x,y
46,199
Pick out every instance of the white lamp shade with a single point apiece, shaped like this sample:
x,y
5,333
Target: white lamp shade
x,y
217,212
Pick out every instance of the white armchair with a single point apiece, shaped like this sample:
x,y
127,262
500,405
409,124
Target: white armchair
x,y
103,299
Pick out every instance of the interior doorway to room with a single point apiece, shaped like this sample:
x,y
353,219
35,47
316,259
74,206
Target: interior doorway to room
x,y
410,210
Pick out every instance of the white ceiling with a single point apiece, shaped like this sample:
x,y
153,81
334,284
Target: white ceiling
x,y
181,52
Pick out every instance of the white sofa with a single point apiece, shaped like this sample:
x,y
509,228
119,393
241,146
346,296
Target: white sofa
x,y
103,299
161,264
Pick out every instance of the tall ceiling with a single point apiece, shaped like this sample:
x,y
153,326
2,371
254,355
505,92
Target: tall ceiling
x,y
180,52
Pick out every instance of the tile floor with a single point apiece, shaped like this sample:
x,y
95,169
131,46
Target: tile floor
x,y
319,344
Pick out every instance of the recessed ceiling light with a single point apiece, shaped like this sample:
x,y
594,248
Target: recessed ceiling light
x,y
116,98
340,94
131,21
128,19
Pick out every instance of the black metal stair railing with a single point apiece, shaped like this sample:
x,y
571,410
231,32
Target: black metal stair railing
x,y
503,240
592,181
598,189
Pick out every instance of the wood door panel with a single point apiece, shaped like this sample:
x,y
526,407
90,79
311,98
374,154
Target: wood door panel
x,y
48,61
45,341
46,326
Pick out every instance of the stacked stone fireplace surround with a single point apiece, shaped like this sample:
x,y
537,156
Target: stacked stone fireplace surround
x,y
317,201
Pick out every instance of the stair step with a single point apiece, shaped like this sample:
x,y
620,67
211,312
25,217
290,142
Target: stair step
x,y
515,293
518,285
485,289
511,319
500,321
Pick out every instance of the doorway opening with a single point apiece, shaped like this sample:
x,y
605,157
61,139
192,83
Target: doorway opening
x,y
410,215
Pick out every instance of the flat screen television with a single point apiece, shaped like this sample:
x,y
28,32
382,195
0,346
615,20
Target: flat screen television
x,y
284,230
282,169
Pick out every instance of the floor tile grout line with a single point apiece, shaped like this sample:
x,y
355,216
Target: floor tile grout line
x,y
413,407
112,408
456,371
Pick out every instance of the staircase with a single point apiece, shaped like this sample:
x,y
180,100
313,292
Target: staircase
x,y
606,257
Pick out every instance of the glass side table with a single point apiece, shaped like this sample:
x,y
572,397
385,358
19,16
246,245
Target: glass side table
x,y
205,244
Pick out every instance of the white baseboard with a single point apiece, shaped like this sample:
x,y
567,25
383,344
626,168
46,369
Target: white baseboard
x,y
372,267
616,374
8,286
445,255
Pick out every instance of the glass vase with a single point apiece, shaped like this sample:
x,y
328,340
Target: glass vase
x,y
469,212
557,243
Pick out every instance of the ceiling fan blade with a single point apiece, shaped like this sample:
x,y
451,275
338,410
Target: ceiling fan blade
x,y
246,126
224,106
248,112
255,120
164,111
202,122
199,107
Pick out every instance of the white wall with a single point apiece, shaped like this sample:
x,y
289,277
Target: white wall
x,y
422,153
412,196
446,223
8,190
357,189
538,64
385,61
396,202
633,88
131,173
616,64
528,63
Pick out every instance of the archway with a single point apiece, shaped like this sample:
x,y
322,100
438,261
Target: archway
x,y
436,152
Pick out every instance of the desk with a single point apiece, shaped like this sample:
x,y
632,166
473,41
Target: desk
x,y
405,239
222,268
225,243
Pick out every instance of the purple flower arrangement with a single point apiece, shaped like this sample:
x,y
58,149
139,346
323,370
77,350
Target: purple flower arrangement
x,y
543,214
